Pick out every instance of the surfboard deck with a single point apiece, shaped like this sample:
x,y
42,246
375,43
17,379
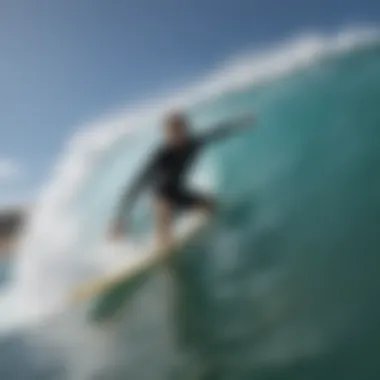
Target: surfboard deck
x,y
110,292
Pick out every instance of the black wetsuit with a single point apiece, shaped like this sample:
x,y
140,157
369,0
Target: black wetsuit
x,y
167,169
167,174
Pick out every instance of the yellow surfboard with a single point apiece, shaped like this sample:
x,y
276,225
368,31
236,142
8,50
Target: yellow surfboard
x,y
108,293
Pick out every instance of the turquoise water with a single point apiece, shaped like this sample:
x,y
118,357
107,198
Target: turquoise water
x,y
286,284
303,285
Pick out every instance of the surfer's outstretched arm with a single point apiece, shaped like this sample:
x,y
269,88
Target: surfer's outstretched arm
x,y
227,129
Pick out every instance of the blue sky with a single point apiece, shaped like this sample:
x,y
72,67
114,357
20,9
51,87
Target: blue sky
x,y
65,62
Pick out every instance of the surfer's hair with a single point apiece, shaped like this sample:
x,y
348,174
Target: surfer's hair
x,y
177,119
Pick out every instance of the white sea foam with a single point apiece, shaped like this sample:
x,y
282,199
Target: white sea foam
x,y
51,255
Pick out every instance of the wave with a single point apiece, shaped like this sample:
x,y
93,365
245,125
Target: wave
x,y
54,252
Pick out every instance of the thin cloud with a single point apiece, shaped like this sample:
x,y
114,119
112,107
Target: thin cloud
x,y
9,169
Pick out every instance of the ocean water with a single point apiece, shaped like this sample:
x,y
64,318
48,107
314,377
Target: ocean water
x,y
285,283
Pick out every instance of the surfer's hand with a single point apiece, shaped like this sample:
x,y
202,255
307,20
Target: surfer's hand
x,y
117,229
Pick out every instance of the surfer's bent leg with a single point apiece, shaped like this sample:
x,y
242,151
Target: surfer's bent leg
x,y
164,217
167,204
189,200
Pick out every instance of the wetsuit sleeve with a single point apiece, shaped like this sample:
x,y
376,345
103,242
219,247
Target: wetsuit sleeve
x,y
226,129
138,185
218,132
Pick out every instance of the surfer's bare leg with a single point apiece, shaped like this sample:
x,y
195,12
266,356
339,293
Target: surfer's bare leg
x,y
204,204
208,206
164,220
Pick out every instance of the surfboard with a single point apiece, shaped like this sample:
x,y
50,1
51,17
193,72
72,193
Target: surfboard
x,y
107,294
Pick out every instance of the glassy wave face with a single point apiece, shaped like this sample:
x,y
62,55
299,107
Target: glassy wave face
x,y
284,286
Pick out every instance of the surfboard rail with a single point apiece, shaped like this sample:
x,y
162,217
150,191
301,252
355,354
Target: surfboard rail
x,y
154,257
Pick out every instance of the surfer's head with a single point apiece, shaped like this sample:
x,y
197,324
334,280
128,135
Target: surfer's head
x,y
176,129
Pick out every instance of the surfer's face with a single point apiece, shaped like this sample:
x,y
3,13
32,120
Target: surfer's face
x,y
176,130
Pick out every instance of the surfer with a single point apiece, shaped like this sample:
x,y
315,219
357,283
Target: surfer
x,y
166,172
